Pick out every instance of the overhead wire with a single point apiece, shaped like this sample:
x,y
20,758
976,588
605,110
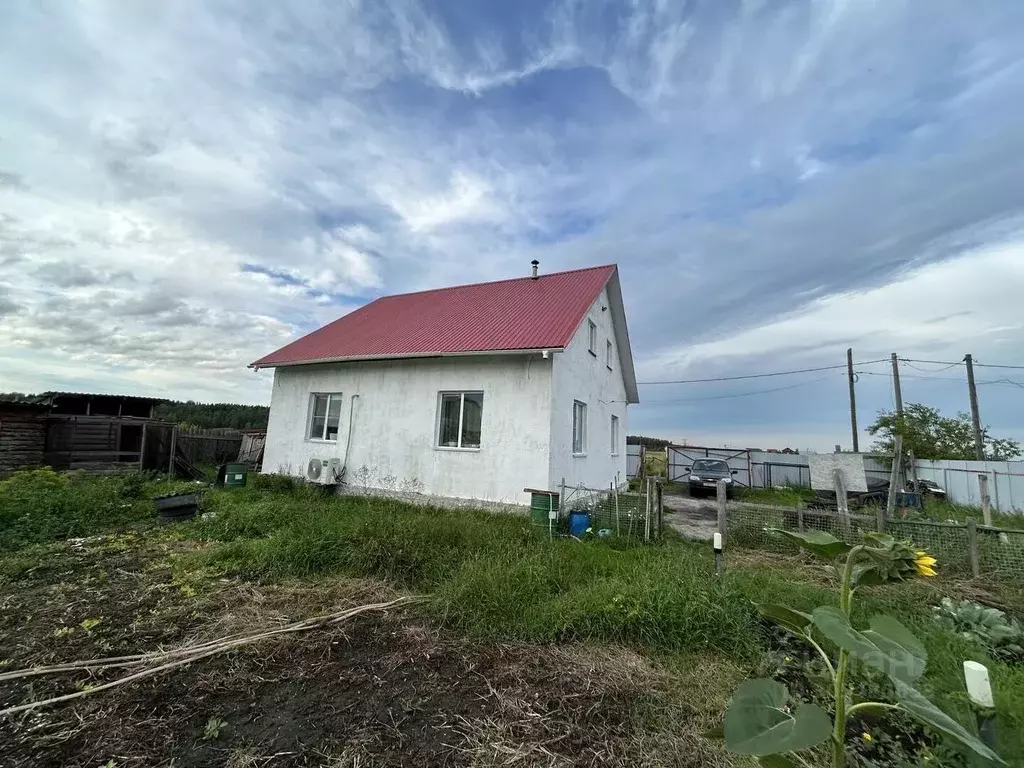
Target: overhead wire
x,y
960,362
761,375
741,394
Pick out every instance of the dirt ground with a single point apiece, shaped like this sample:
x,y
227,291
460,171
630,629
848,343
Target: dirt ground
x,y
692,518
391,689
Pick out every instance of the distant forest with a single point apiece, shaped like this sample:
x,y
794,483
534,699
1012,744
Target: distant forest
x,y
213,415
202,415
654,443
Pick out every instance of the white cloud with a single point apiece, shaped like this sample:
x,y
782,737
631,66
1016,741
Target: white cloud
x,y
176,174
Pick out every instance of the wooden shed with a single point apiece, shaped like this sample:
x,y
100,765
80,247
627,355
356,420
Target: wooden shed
x,y
22,435
104,433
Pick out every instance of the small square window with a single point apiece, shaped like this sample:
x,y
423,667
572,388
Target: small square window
x,y
608,354
460,419
593,337
615,435
324,416
579,427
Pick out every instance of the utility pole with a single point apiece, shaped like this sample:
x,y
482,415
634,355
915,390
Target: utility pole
x,y
853,400
896,385
979,446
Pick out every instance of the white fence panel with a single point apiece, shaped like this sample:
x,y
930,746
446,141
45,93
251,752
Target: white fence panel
x,y
634,459
960,479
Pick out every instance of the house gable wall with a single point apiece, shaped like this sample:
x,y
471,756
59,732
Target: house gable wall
x,y
579,375
394,425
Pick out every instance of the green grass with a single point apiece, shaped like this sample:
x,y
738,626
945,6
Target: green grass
x,y
942,511
784,496
43,505
491,576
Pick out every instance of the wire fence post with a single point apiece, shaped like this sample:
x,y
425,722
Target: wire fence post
x,y
647,510
986,500
722,498
972,544
800,517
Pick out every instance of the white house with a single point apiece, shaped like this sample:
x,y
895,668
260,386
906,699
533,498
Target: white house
x,y
473,392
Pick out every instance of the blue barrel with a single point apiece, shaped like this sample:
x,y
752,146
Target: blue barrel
x,y
578,523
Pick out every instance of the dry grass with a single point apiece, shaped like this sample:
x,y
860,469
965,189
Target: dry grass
x,y
388,690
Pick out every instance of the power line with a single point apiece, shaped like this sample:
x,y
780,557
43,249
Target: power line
x,y
740,394
762,375
931,370
942,378
959,362
993,365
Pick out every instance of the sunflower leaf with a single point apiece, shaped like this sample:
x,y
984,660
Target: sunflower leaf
x,y
758,721
888,646
820,543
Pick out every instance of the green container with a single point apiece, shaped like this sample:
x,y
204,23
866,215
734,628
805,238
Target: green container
x,y
541,505
235,475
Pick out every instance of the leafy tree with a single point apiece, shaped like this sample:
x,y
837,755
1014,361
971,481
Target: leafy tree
x,y
934,436
214,415
654,443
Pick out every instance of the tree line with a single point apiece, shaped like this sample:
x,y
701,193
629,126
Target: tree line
x,y
213,415
189,413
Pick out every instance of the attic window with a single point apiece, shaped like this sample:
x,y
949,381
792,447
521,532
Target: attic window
x,y
593,337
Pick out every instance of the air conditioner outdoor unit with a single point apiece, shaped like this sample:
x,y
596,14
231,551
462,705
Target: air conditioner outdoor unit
x,y
323,471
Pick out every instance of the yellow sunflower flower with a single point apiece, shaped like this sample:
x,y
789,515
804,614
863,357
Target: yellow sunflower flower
x,y
924,563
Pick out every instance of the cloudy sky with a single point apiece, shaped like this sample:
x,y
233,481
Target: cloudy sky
x,y
186,186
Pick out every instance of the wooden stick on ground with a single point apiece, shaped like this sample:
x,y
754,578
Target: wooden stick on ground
x,y
190,654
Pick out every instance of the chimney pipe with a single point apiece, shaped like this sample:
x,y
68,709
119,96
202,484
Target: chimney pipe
x,y
534,264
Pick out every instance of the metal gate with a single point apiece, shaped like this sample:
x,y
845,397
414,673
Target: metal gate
x,y
679,459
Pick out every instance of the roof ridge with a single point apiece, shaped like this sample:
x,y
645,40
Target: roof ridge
x,y
494,282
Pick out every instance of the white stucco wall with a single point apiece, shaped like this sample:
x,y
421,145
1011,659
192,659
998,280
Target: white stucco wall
x,y
394,437
578,375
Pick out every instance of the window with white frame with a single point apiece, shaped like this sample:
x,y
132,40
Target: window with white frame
x,y
324,416
460,415
579,427
608,354
593,337
615,435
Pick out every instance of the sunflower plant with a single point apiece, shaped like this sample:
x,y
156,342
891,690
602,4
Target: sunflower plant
x,y
764,722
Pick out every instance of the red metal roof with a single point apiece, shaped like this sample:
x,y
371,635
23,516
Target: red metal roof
x,y
507,315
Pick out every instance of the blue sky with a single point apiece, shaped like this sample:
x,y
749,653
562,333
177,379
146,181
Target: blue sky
x,y
186,186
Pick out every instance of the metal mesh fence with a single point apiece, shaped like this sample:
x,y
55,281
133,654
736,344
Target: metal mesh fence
x,y
989,552
635,515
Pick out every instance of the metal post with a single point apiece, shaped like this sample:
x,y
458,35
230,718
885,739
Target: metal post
x,y
912,460
561,500
986,501
979,445
894,474
618,526
722,508
972,545
647,511
853,401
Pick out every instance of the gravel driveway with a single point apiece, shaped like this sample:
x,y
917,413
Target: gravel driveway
x,y
693,518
